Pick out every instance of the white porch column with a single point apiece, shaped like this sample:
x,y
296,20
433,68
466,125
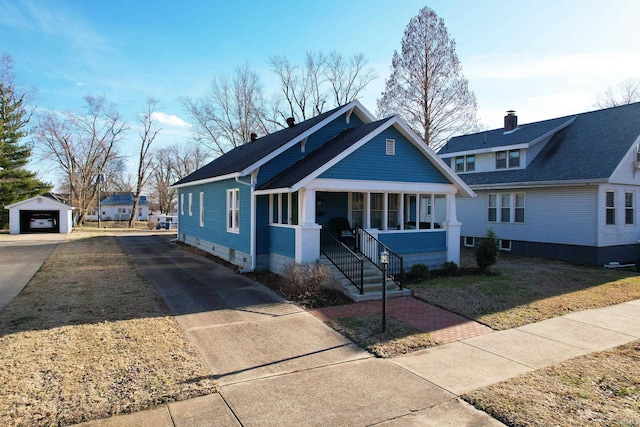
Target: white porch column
x,y
308,232
307,243
307,206
452,225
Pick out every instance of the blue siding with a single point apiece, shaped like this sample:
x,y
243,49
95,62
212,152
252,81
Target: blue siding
x,y
282,240
331,205
370,162
292,155
215,211
262,225
415,242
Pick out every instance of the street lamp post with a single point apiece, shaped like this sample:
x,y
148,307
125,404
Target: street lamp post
x,y
384,260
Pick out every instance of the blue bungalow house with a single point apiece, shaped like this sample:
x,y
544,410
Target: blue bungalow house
x,y
341,185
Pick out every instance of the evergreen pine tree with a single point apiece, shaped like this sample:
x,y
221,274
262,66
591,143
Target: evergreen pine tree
x,y
16,182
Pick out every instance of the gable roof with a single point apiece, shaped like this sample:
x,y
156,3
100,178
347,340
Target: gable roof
x,y
321,156
47,198
249,156
338,148
589,147
123,199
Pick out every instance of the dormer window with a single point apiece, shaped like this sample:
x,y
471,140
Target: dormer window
x,y
465,163
508,159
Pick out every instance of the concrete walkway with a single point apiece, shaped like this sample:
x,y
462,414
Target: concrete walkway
x,y
21,256
280,366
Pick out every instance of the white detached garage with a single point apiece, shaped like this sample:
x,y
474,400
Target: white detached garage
x,y
40,214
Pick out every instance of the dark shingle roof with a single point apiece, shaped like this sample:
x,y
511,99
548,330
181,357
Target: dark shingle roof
x,y
320,156
248,154
123,199
590,148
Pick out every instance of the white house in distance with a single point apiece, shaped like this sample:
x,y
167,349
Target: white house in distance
x,y
40,214
565,188
117,207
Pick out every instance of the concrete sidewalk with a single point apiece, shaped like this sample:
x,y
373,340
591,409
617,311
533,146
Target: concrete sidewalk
x,y
280,366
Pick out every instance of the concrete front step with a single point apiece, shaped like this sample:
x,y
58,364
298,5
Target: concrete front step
x,y
372,283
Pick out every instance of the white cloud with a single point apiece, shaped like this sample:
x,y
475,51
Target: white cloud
x,y
171,120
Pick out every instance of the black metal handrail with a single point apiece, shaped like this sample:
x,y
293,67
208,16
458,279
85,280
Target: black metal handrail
x,y
345,260
371,247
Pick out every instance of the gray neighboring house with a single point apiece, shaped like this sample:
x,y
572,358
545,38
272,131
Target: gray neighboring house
x,y
565,188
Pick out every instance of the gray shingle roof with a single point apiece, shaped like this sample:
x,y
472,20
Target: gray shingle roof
x,y
123,199
320,156
590,148
248,154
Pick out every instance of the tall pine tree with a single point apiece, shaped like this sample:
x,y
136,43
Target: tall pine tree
x,y
16,182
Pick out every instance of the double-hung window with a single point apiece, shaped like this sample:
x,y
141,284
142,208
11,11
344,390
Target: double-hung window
x,y
233,210
465,163
190,204
505,207
201,209
182,204
629,208
610,207
508,159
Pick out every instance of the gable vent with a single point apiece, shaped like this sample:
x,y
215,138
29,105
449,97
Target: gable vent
x,y
391,147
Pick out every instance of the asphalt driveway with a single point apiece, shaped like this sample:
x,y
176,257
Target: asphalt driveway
x,y
21,256
277,364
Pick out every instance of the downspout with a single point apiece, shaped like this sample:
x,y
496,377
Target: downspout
x,y
252,249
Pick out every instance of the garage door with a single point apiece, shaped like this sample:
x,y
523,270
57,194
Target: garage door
x,y
39,221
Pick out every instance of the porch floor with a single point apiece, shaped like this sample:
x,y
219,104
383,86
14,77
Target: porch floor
x,y
444,326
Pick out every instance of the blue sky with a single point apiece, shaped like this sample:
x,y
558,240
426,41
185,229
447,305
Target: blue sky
x,y
542,58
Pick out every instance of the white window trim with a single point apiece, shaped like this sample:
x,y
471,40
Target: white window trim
x,y
512,207
182,204
233,225
201,209
505,248
632,208
613,208
469,245
190,204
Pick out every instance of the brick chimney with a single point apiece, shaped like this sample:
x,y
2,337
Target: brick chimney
x,y
510,121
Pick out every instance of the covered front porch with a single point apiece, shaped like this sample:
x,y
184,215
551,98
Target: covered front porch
x,y
416,221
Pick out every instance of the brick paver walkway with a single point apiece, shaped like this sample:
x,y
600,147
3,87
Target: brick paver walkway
x,y
442,325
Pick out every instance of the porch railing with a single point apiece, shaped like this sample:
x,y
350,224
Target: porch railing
x,y
345,260
371,247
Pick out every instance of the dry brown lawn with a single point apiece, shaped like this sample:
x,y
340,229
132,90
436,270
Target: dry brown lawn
x,y
90,337
527,290
599,389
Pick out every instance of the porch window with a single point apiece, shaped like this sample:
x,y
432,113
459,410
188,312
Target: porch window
x,y
611,208
284,208
357,209
201,209
233,210
393,207
629,208
377,210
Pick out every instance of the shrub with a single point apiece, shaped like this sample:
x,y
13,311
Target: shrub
x,y
419,272
487,251
450,268
303,280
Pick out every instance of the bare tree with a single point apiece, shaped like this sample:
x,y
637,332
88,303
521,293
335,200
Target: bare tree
x,y
347,76
81,146
227,115
426,86
170,164
324,82
627,92
148,133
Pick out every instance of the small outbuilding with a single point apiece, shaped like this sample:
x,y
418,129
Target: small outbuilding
x,y
40,214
